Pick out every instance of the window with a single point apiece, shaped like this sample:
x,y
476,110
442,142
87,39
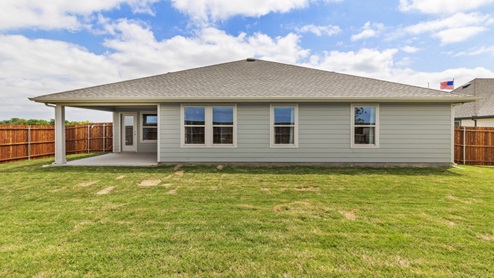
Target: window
x,y
284,129
195,125
209,126
458,123
222,125
365,121
149,127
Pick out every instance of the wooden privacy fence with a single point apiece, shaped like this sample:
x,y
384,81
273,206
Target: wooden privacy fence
x,y
474,145
20,142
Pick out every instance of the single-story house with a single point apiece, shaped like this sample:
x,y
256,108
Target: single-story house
x,y
255,111
478,113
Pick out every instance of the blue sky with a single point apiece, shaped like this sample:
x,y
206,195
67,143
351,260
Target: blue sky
x,y
54,45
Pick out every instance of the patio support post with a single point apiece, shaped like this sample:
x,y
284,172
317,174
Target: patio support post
x,y
60,157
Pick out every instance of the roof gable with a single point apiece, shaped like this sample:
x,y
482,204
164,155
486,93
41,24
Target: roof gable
x,y
479,87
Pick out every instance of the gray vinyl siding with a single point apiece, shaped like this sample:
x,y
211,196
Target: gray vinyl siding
x,y
141,146
409,133
116,132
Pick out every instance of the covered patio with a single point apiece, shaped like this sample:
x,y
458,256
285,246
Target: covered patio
x,y
117,159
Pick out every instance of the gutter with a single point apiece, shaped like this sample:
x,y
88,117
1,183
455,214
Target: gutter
x,y
100,101
475,117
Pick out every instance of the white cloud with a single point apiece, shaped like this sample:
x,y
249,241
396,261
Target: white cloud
x,y
410,49
367,62
34,67
459,34
441,6
477,51
136,47
457,28
202,11
368,31
328,30
59,14
381,65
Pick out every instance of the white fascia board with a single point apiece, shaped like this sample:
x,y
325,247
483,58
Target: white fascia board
x,y
153,101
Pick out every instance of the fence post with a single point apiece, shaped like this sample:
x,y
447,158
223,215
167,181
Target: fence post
x,y
88,138
104,138
464,144
28,142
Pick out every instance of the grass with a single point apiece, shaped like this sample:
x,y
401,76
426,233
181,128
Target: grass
x,y
245,221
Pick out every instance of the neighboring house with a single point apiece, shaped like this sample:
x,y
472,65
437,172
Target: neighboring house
x,y
254,111
478,113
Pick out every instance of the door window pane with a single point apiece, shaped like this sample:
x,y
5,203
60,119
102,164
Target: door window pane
x,y
129,130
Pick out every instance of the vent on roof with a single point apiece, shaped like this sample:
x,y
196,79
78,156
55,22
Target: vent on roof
x,y
465,86
251,59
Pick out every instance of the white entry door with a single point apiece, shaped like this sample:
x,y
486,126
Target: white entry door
x,y
129,132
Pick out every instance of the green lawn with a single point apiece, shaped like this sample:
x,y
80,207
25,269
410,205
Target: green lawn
x,y
245,221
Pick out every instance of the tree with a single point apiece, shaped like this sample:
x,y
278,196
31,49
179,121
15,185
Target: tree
x,y
19,121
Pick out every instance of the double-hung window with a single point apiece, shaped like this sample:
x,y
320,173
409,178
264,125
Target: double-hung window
x,y
365,126
194,125
284,126
149,127
209,126
222,125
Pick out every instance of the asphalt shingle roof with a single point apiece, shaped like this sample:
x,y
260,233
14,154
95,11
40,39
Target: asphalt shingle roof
x,y
255,80
480,87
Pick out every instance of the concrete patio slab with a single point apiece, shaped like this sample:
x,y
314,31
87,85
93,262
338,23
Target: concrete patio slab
x,y
117,159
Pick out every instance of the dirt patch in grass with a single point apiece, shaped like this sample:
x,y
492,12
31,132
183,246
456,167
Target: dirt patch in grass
x,y
179,173
306,188
454,198
120,177
449,223
173,191
105,191
265,189
82,224
220,167
167,184
149,182
177,167
89,183
486,237
304,210
349,215
248,207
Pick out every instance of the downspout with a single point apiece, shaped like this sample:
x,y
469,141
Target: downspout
x,y
475,121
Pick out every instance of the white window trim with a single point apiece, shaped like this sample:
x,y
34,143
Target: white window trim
x,y
377,125
271,128
208,132
141,126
